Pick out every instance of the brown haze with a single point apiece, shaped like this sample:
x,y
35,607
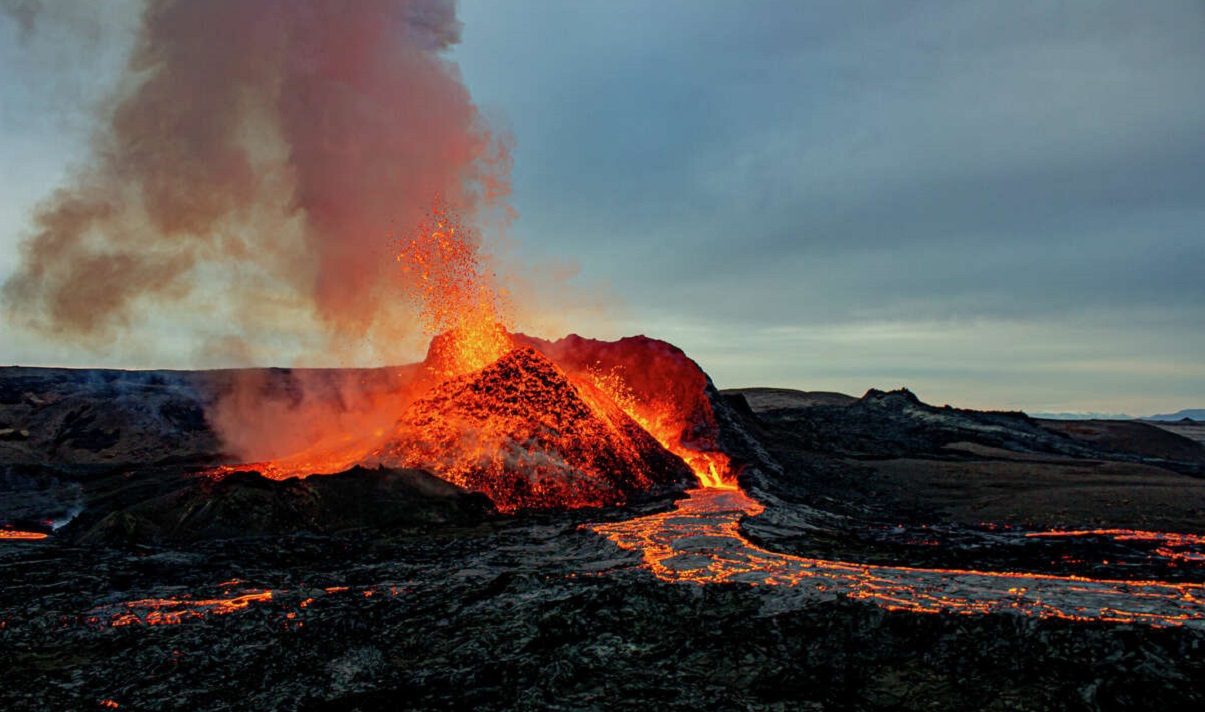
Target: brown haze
x,y
245,184
249,167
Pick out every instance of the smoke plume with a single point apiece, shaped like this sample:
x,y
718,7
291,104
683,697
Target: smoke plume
x,y
252,163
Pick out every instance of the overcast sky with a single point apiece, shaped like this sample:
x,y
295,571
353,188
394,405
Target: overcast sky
x,y
996,204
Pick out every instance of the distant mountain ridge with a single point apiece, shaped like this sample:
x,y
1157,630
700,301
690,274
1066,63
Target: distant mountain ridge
x,y
1083,416
771,398
1191,413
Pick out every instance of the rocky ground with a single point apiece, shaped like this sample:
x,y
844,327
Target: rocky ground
x,y
889,476
392,590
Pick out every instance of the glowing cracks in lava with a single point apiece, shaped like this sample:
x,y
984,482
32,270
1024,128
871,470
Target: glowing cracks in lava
x,y
172,611
1176,547
700,542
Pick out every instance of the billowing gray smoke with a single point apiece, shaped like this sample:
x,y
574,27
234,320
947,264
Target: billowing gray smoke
x,y
255,156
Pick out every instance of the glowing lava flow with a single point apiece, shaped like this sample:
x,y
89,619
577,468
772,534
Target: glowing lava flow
x,y
663,421
16,535
1177,547
700,542
172,611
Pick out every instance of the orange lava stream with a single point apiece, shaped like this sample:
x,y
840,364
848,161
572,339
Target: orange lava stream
x,y
1172,545
14,534
662,420
700,542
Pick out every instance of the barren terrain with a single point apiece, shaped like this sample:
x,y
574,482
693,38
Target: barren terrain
x,y
385,589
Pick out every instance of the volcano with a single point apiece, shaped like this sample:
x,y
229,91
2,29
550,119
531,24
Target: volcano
x,y
527,434
546,424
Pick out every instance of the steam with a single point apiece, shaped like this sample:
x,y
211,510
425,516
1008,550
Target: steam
x,y
250,166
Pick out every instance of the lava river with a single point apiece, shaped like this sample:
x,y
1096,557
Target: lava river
x,y
700,542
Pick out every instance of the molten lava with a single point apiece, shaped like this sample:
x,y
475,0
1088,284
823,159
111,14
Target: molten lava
x,y
174,611
700,542
659,387
17,535
171,611
1175,547
527,435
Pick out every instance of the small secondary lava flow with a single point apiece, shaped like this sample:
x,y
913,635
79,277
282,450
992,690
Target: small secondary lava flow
x,y
16,534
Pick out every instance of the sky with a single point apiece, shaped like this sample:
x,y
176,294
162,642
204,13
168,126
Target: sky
x,y
994,204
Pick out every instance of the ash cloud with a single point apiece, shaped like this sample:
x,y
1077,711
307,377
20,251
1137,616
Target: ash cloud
x,y
255,156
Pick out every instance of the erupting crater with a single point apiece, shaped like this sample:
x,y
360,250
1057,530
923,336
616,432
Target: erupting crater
x,y
528,422
549,424
528,435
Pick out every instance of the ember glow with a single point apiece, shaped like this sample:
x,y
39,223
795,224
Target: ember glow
x,y
700,542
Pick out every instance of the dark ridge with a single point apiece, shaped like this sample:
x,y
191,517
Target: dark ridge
x,y
247,504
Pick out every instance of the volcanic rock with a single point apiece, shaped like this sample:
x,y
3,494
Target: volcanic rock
x,y
536,611
58,416
891,479
528,435
247,504
1130,436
